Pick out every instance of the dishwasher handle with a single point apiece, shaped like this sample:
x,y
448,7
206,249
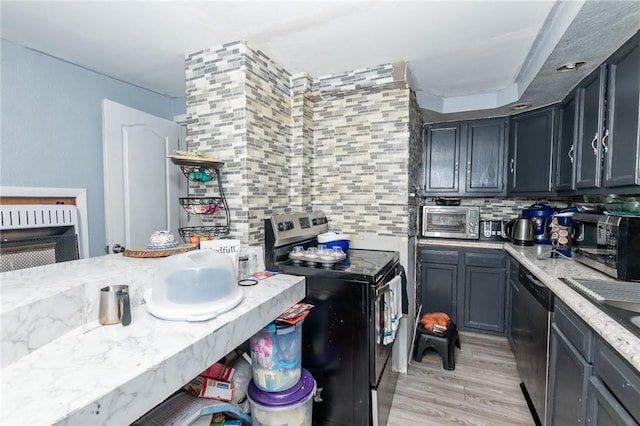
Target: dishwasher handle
x,y
533,280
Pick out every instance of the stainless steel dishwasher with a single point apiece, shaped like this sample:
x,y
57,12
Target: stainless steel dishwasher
x,y
532,306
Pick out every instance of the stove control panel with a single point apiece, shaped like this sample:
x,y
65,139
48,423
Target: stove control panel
x,y
291,228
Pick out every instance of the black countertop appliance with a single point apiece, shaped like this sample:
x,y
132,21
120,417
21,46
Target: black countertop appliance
x,y
343,335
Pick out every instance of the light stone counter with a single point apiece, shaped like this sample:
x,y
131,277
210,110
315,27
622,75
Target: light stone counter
x,y
88,374
549,271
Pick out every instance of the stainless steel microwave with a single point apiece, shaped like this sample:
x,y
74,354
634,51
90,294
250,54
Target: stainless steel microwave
x,y
608,243
450,222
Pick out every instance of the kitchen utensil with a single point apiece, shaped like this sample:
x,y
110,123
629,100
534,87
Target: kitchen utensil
x,y
114,305
520,231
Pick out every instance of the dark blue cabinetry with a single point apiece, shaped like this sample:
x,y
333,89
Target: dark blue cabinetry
x,y
469,285
589,384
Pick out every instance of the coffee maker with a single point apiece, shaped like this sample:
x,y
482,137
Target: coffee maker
x,y
541,215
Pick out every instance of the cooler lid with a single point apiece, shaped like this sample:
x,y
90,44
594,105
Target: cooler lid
x,y
296,393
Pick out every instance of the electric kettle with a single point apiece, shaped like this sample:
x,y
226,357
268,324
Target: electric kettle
x,y
520,231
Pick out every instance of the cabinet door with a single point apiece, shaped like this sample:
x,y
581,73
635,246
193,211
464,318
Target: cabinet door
x,y
565,155
514,313
589,147
530,146
485,156
442,158
604,409
439,287
622,146
569,376
484,299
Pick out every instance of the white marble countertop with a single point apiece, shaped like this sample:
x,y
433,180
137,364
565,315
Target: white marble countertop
x,y
111,375
549,271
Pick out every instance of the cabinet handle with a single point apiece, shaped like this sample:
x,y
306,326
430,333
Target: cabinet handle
x,y
604,140
511,162
570,154
456,170
593,144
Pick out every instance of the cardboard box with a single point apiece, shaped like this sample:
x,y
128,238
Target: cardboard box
x,y
209,388
220,372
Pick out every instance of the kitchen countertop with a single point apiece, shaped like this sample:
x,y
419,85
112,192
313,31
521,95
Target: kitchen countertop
x,y
94,374
549,271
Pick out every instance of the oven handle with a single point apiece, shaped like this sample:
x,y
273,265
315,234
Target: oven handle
x,y
382,289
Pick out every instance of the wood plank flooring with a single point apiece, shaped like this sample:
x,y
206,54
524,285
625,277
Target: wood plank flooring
x,y
484,388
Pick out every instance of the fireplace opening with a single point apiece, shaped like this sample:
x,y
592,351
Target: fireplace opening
x,y
37,235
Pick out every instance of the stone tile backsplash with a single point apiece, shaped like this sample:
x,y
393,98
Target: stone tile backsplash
x,y
340,143
503,208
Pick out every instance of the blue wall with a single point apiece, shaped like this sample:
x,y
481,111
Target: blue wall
x,y
51,125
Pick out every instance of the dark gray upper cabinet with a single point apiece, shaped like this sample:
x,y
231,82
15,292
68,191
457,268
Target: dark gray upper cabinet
x,y
590,129
622,146
465,158
531,143
442,160
485,156
567,135
608,142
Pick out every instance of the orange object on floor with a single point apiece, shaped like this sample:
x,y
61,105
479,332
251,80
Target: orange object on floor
x,y
428,320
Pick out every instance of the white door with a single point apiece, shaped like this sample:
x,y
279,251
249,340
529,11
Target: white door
x,y
141,185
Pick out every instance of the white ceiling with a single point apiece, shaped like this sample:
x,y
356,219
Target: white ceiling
x,y
461,55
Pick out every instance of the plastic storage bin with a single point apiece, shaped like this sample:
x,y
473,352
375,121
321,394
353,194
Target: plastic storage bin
x,y
292,407
276,355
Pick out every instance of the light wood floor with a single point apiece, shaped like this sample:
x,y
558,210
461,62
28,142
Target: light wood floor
x,y
484,388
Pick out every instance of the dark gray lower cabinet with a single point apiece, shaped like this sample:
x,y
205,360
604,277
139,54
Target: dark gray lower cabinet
x,y
589,384
604,408
483,293
620,395
439,281
568,382
468,285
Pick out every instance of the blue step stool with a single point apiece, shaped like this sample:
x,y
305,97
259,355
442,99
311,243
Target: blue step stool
x,y
443,343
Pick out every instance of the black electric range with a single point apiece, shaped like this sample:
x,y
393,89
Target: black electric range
x,y
361,265
342,337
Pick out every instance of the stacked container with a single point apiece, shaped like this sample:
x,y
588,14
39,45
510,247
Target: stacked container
x,y
281,391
